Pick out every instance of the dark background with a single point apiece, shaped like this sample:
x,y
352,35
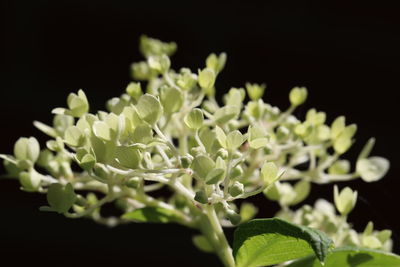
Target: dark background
x,y
346,55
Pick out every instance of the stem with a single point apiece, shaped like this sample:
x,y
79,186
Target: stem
x,y
213,231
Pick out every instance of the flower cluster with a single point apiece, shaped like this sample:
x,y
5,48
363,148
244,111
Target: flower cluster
x,y
168,130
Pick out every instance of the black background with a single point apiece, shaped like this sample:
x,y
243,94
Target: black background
x,y
347,55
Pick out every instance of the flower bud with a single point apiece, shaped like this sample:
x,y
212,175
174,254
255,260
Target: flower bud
x,y
201,197
298,95
233,217
236,189
134,90
223,153
78,104
255,91
186,161
236,172
345,200
206,80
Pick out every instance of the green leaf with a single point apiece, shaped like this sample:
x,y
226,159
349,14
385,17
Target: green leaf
x,y
202,165
351,257
373,168
234,140
171,99
149,108
202,243
263,242
74,136
194,119
152,215
128,156
221,136
27,149
61,198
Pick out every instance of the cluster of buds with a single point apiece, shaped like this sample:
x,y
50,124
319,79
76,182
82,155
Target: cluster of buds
x,y
168,130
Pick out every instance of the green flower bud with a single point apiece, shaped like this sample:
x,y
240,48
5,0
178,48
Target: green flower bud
x,y
236,172
141,71
197,151
78,104
27,149
160,64
133,182
339,167
223,153
85,160
236,189
206,81
150,46
315,118
30,181
186,161
233,217
134,90
186,80
282,133
345,200
298,96
255,91
201,197
216,63
372,169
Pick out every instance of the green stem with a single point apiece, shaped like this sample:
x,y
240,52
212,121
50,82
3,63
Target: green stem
x,y
211,228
